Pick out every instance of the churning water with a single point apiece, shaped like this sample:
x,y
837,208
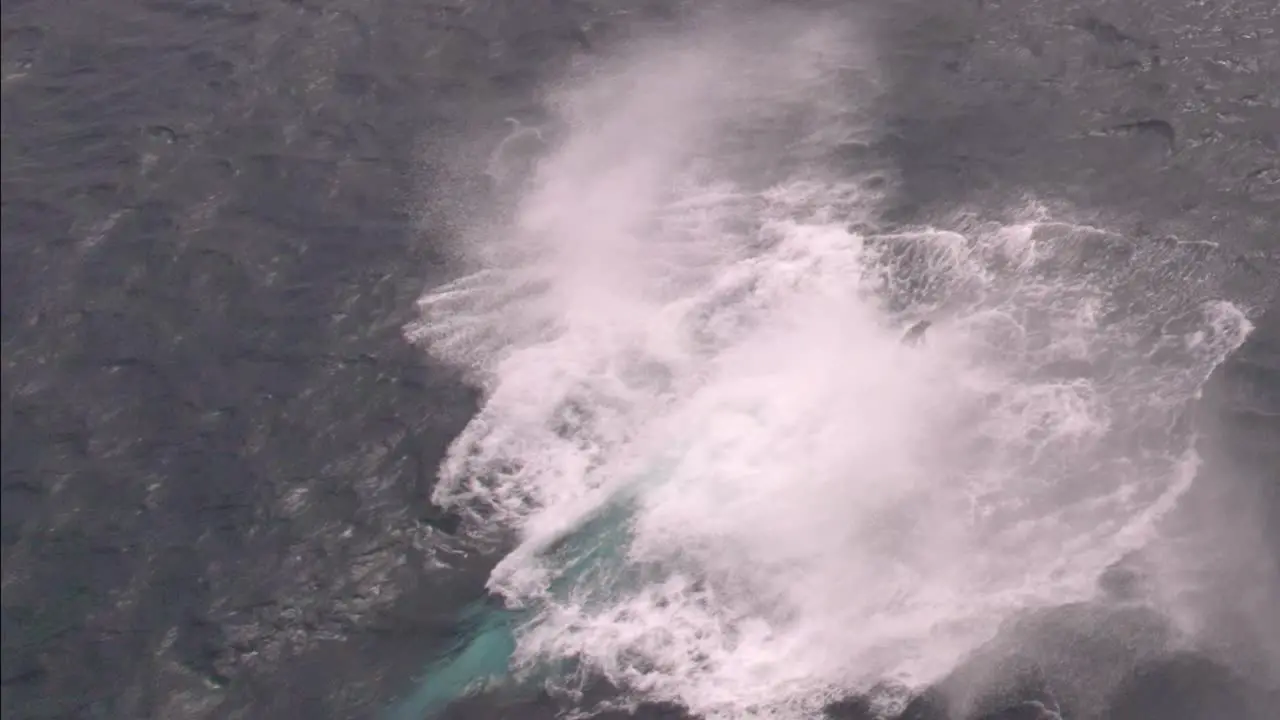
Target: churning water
x,y
730,482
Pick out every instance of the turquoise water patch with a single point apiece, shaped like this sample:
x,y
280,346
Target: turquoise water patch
x,y
482,655
590,567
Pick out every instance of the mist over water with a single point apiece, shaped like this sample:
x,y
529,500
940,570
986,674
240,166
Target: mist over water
x,y
732,484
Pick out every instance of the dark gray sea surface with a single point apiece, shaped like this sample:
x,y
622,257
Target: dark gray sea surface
x,y
219,448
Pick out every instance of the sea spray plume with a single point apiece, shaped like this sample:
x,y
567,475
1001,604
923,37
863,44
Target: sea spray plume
x,y
842,508
581,221
606,245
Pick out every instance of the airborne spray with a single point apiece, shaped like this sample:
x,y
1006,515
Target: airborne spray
x,y
734,485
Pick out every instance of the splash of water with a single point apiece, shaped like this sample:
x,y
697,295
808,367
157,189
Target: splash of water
x,y
735,488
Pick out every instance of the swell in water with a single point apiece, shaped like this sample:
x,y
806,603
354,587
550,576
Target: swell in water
x,y
732,485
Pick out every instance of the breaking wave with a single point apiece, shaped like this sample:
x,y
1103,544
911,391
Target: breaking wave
x,y
731,483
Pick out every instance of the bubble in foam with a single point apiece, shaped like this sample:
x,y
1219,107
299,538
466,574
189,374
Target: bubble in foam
x,y
736,488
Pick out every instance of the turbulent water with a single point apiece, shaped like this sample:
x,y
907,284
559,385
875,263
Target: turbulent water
x,y
804,358
726,474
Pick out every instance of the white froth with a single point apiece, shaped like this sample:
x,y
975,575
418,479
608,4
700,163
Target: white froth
x,y
817,506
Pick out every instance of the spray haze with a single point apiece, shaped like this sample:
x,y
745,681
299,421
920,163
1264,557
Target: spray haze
x,y
733,485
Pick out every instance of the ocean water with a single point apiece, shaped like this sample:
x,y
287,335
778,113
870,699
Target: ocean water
x,y
485,360
721,477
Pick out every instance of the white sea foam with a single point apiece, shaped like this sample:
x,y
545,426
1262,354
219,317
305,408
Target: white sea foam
x,y
680,315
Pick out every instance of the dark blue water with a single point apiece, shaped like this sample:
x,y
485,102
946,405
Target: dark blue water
x,y
218,448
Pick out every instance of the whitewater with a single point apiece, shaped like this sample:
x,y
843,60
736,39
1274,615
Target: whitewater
x,y
719,475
